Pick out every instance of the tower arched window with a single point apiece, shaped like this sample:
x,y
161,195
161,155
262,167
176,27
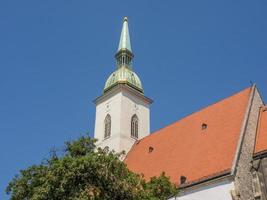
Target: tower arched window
x,y
134,126
107,126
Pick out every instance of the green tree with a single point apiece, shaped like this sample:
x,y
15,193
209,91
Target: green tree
x,y
84,172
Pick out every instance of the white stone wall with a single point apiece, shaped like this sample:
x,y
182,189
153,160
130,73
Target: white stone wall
x,y
131,105
121,105
111,106
215,191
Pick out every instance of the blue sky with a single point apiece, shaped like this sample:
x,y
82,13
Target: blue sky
x,y
56,55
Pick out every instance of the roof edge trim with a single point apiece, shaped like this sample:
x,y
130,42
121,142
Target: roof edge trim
x,y
243,130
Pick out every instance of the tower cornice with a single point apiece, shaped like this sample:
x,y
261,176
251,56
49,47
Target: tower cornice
x,y
118,88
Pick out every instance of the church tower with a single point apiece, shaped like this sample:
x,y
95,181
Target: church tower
x,y
122,111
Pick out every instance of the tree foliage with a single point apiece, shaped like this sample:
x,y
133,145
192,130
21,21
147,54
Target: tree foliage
x,y
83,172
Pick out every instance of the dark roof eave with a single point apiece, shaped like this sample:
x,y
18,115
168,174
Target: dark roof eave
x,y
261,154
215,176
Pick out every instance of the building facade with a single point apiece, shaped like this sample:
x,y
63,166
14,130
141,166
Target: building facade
x,y
218,152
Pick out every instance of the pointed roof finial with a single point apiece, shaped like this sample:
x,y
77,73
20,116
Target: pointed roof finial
x,y
125,42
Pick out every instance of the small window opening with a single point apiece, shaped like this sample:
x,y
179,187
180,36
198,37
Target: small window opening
x,y
182,179
150,149
204,126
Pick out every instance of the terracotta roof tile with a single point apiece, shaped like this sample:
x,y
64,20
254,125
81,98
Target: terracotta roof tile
x,y
184,148
261,139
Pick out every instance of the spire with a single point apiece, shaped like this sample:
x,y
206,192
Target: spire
x,y
124,53
125,42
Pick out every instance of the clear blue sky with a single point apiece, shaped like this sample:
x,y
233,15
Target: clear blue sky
x,y
56,55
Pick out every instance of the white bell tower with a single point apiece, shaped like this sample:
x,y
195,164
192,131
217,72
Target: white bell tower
x,y
122,111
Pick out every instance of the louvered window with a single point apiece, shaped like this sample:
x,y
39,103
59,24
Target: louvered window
x,y
134,126
107,126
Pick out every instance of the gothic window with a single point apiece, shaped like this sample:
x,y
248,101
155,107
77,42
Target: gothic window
x,y
107,126
134,126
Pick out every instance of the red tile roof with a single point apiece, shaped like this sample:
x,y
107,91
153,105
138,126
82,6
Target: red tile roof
x,y
184,148
261,139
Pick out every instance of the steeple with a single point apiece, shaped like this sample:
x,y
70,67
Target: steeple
x,y
124,56
122,111
125,42
124,53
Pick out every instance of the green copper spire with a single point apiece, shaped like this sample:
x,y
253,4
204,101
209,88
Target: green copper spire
x,y
125,42
124,54
124,73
